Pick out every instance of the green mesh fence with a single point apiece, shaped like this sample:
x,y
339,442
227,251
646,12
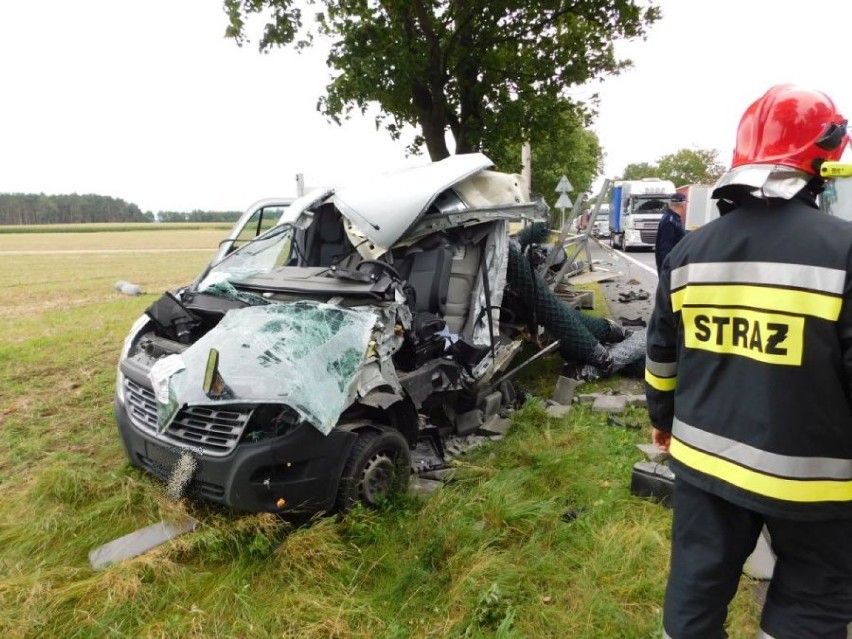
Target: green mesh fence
x,y
578,334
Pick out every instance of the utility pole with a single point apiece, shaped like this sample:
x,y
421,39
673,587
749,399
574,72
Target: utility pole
x,y
526,166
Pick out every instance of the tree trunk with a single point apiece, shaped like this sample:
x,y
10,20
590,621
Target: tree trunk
x,y
432,123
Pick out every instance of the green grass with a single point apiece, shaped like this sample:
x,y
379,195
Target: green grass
x,y
537,537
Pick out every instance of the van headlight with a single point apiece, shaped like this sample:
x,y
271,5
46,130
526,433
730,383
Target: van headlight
x,y
140,323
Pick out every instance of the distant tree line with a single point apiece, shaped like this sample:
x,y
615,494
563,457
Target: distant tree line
x,y
198,216
27,208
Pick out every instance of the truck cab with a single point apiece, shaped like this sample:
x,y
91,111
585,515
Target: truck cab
x,y
636,207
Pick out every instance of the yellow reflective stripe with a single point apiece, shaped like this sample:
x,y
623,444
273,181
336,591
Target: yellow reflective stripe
x,y
797,490
780,300
660,383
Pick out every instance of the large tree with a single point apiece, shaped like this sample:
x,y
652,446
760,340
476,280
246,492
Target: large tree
x,y
687,166
567,149
487,71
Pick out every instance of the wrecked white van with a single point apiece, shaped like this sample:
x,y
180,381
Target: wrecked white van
x,y
297,373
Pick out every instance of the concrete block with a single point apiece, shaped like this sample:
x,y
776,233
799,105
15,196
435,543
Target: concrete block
x,y
498,425
652,453
610,403
468,422
558,410
637,400
587,398
576,299
565,389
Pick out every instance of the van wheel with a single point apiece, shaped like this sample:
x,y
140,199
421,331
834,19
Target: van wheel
x,y
377,468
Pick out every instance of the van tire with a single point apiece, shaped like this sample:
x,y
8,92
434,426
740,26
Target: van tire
x,y
378,467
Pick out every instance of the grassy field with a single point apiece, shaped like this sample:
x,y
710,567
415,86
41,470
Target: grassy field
x,y
537,537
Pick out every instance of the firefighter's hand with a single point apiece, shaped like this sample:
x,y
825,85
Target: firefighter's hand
x,y
661,439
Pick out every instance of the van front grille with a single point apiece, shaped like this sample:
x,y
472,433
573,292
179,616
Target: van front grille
x,y
215,431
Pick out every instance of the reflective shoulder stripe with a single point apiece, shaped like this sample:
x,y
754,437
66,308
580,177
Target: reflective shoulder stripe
x,y
794,490
760,460
782,300
814,278
660,383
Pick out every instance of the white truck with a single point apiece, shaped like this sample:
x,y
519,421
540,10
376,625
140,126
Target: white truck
x,y
635,211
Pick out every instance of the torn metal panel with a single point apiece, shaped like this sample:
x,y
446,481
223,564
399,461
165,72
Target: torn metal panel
x,y
305,355
384,208
531,211
140,541
491,188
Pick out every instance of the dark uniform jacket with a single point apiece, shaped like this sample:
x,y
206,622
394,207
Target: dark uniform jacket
x,y
749,359
669,233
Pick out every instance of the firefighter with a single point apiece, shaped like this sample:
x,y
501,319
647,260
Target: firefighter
x,y
749,382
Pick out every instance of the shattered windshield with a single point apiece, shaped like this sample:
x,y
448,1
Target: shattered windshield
x,y
261,255
305,355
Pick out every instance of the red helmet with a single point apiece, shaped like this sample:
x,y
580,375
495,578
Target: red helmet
x,y
793,127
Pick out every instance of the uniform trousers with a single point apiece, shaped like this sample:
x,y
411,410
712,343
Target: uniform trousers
x,y
809,596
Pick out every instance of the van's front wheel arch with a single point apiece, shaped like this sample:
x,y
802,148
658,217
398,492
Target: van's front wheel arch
x,y
377,468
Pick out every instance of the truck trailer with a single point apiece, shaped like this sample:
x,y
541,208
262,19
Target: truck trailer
x,y
635,211
700,205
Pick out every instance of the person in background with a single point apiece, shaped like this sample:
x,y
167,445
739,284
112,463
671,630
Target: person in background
x,y
670,229
748,376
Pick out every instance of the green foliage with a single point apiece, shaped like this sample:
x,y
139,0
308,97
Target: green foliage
x,y
492,72
568,149
640,170
687,166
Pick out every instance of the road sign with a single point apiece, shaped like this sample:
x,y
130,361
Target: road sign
x,y
564,186
564,202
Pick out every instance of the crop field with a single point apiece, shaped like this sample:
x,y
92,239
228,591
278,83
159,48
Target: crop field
x,y
537,535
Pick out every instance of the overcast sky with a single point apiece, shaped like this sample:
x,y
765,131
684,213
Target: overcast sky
x,y
148,102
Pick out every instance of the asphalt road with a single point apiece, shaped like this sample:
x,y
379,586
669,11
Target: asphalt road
x,y
636,279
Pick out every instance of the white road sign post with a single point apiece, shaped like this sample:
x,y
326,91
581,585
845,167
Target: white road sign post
x,y
564,201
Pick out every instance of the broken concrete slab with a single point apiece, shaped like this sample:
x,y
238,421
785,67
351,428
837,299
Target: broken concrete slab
x,y
139,542
610,403
653,453
598,275
440,474
637,400
565,390
575,299
586,398
497,425
424,487
558,410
